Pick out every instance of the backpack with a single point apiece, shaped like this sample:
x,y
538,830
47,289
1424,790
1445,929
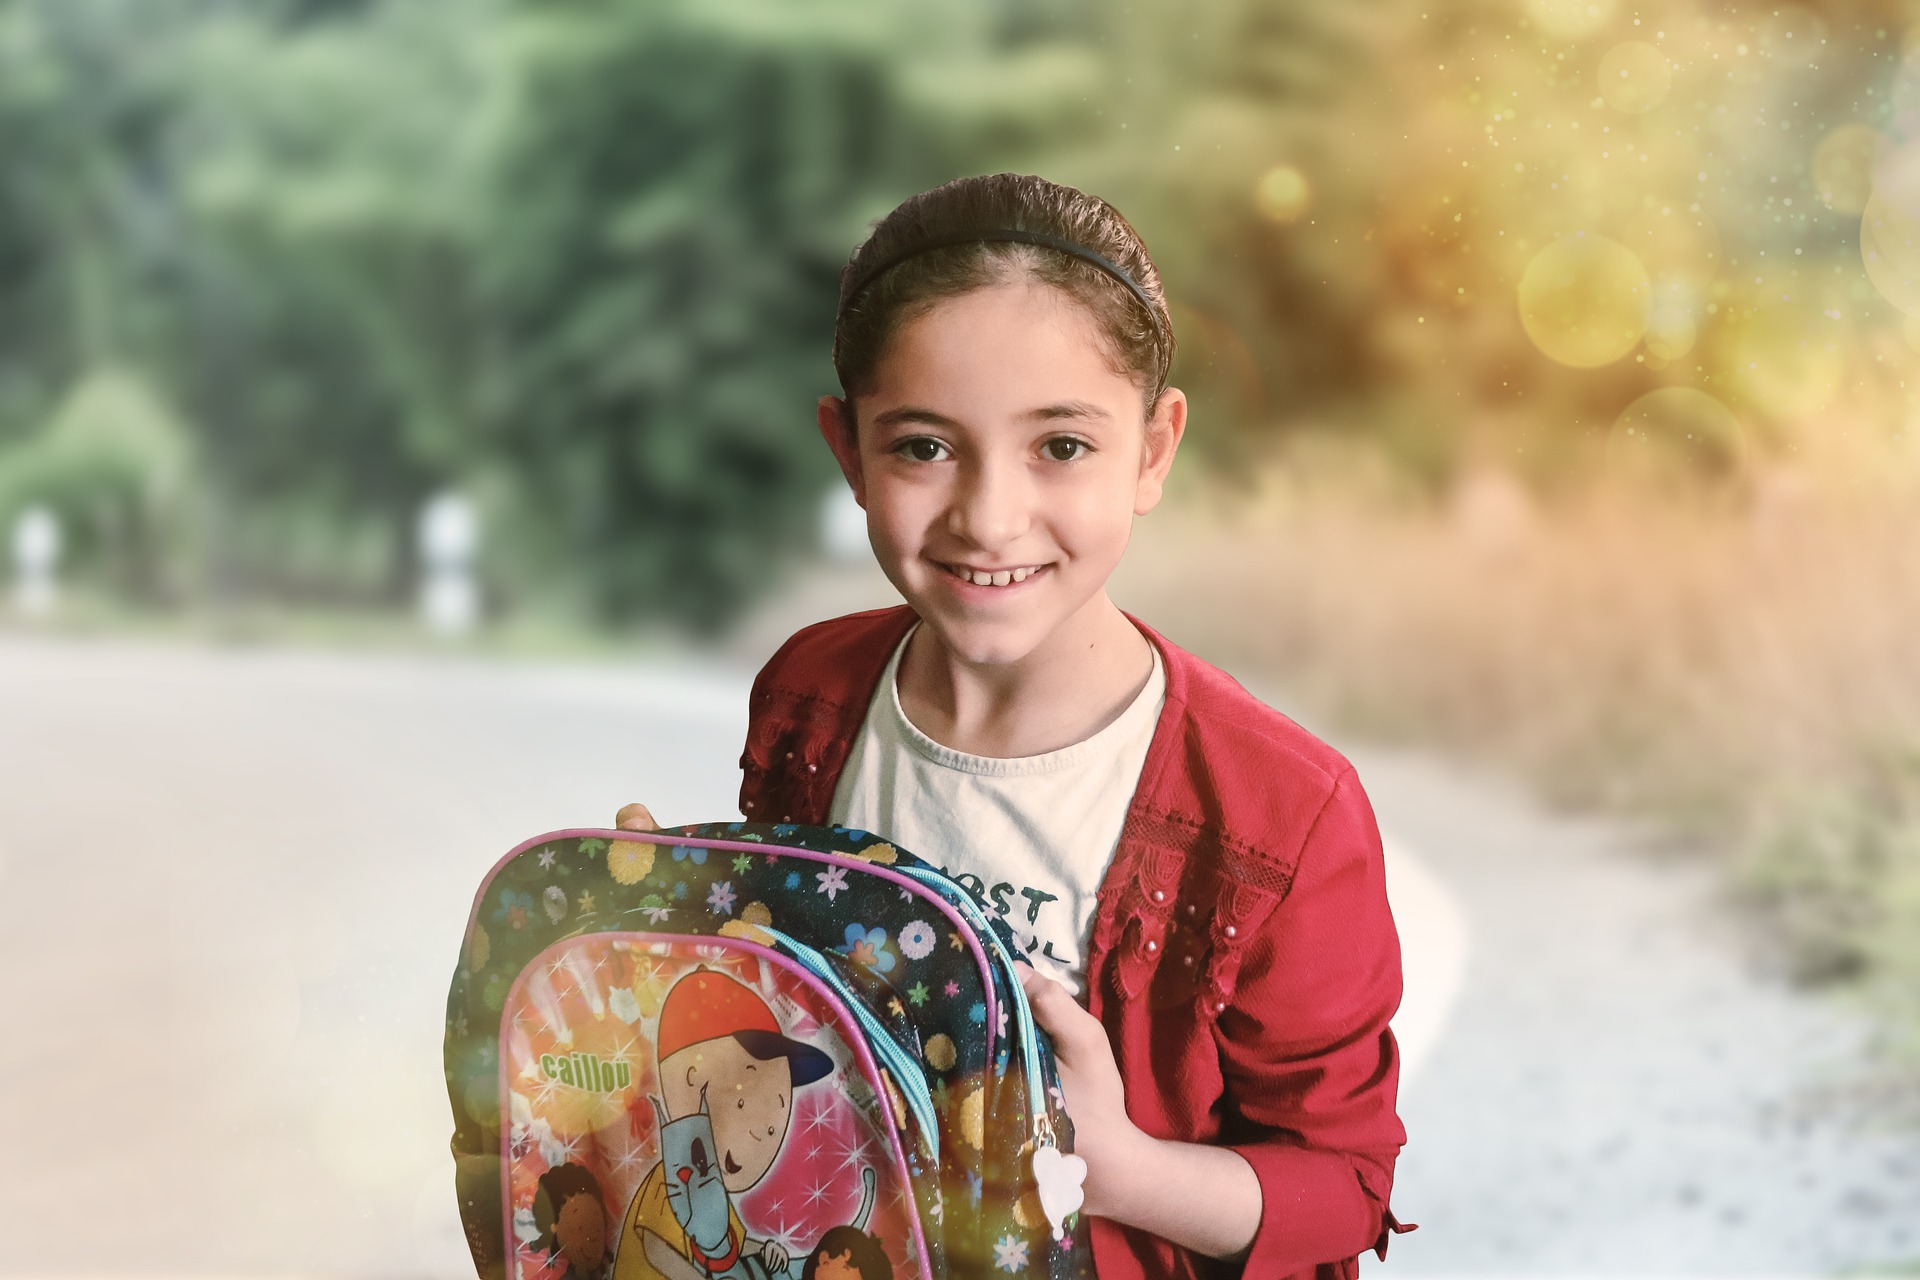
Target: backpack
x,y
750,1050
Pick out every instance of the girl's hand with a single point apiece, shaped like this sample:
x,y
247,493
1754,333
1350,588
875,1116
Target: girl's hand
x,y
635,817
1103,1136
1201,1197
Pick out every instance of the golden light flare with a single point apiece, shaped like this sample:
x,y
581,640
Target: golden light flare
x,y
1282,194
1784,359
1890,249
1910,332
1793,35
1843,167
1570,19
1671,325
1714,160
1675,242
1676,435
1635,77
1584,300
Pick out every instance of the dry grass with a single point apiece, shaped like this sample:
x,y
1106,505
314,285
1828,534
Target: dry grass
x,y
1741,666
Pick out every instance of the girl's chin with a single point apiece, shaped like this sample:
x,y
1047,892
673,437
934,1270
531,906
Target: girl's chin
x,y
982,642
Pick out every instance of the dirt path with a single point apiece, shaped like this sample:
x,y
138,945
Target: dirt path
x,y
1615,1090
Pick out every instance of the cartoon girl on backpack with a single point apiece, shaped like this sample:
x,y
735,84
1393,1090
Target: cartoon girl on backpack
x,y
571,1215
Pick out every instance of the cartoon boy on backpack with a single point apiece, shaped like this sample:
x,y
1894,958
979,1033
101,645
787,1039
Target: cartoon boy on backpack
x,y
719,1040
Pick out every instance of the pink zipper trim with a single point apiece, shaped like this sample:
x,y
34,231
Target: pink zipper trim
x,y
848,1031
786,851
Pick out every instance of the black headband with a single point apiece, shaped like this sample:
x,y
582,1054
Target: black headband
x,y
1017,236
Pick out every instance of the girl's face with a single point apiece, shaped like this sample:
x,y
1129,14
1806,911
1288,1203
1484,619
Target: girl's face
x,y
581,1230
1001,460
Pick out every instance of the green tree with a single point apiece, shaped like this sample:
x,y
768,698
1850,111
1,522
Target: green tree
x,y
322,325
676,188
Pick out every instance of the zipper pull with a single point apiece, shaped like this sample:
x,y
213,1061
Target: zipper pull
x,y
1060,1178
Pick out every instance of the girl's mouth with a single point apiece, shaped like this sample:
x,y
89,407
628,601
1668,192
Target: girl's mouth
x,y
993,577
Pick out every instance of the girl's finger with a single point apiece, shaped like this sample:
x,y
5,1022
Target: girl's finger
x,y
1060,1015
635,817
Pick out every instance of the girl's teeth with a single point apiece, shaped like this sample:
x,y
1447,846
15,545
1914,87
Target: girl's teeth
x,y
983,579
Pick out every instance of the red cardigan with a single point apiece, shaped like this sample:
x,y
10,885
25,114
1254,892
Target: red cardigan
x,y
1243,958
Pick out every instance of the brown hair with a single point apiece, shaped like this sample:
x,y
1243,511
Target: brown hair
x,y
920,253
557,1186
865,1254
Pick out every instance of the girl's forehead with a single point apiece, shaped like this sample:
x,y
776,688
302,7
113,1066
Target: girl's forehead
x,y
1017,345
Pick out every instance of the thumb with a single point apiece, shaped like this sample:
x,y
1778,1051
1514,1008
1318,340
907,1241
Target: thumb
x,y
635,817
1060,1015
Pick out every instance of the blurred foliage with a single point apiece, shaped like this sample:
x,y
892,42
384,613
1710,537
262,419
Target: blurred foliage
x,y
577,258
119,465
684,182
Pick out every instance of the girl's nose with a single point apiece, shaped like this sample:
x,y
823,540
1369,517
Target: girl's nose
x,y
992,504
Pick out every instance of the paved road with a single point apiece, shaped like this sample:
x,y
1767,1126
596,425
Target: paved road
x,y
235,882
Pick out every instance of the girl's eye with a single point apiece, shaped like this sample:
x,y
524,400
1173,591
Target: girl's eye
x,y
921,448
1065,448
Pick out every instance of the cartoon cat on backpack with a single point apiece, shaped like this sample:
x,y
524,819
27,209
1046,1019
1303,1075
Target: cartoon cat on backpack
x,y
727,1076
716,1249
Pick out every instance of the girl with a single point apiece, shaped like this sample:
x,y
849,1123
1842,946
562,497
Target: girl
x,y
571,1215
1202,870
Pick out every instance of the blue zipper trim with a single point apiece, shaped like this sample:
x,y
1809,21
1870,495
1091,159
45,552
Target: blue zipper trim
x,y
906,1072
1026,1032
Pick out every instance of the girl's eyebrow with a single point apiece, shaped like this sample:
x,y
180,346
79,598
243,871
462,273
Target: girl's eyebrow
x,y
1070,409
1081,409
911,413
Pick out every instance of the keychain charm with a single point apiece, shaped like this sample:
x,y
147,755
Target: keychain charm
x,y
1061,1180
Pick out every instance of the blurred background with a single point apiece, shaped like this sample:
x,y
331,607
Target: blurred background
x,y
406,446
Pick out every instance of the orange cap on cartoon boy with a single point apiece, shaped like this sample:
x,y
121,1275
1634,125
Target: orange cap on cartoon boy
x,y
706,1005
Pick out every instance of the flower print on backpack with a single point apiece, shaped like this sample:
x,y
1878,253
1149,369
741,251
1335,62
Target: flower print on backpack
x,y
917,940
868,947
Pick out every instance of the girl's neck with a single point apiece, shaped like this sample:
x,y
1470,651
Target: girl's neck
x,y
1076,683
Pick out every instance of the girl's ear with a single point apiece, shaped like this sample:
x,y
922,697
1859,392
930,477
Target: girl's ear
x,y
835,417
1164,429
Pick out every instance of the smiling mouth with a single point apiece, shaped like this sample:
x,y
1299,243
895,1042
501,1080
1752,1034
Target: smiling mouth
x,y
728,1163
995,577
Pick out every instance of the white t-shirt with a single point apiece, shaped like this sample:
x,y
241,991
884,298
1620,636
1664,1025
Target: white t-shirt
x,y
1030,836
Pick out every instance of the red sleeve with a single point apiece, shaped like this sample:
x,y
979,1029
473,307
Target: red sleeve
x,y
1311,1068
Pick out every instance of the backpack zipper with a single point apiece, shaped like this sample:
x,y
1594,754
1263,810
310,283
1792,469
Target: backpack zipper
x,y
906,875
906,1072
1026,1032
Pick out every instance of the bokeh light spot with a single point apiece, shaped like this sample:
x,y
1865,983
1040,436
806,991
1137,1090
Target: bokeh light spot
x,y
1283,194
1670,321
1676,436
1793,36
1570,19
1584,300
1843,167
1674,241
1890,249
1635,77
1785,360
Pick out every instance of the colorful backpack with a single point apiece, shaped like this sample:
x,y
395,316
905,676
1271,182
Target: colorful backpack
x,y
749,1050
